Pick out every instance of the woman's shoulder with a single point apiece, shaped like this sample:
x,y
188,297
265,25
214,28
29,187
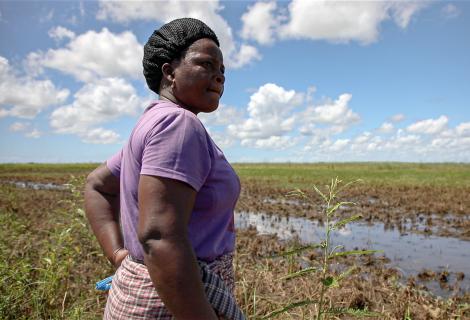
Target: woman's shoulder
x,y
167,109
165,115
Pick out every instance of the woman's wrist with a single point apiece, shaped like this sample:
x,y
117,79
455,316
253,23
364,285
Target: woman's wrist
x,y
118,255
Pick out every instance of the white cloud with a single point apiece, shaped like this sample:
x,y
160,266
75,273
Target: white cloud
x,y
19,126
222,140
336,113
363,138
26,97
452,144
224,115
59,33
24,127
269,113
335,21
246,55
95,103
259,22
463,129
398,117
450,11
429,126
95,54
339,144
34,134
165,11
99,136
386,127
273,142
402,12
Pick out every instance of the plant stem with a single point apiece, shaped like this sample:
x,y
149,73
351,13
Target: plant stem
x,y
326,247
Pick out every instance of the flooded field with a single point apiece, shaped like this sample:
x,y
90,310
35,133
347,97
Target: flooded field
x,y
415,255
419,215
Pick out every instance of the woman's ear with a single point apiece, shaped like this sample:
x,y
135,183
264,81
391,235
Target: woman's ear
x,y
168,72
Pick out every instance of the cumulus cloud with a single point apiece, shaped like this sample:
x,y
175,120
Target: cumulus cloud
x,y
273,142
34,134
463,129
269,112
398,117
99,136
96,103
25,97
429,126
245,55
222,140
451,144
259,22
275,116
223,116
335,21
386,127
25,127
335,113
94,54
59,33
339,144
19,126
165,11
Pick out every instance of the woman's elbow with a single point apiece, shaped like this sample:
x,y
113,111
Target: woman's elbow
x,y
149,239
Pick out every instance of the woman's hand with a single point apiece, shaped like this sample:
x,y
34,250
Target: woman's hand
x,y
120,255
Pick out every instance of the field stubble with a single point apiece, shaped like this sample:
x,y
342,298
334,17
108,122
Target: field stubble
x,y
50,260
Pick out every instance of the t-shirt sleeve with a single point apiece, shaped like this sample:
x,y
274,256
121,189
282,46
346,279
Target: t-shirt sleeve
x,y
177,148
114,164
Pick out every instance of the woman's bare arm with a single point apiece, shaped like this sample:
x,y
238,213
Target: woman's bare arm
x,y
102,211
165,207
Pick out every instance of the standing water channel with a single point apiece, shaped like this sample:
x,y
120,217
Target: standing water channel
x,y
410,253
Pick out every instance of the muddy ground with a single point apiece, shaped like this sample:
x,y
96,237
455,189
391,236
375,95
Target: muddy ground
x,y
443,210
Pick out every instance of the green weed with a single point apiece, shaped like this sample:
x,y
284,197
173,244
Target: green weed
x,y
328,280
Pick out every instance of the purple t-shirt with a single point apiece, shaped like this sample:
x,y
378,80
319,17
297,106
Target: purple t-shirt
x,y
170,141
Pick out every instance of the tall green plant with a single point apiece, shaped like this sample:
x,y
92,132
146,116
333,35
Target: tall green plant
x,y
327,279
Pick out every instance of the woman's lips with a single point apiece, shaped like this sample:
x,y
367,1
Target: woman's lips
x,y
215,91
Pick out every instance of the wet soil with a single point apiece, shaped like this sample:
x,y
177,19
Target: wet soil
x,y
373,285
424,209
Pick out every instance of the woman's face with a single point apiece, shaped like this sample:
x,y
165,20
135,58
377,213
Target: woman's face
x,y
199,77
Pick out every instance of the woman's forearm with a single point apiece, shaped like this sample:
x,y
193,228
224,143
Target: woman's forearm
x,y
102,210
174,271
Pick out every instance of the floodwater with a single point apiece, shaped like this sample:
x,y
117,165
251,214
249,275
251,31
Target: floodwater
x,y
410,253
37,185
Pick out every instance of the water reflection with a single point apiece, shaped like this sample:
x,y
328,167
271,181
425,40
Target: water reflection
x,y
409,252
37,185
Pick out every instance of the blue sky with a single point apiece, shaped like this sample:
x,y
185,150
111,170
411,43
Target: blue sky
x,y
306,80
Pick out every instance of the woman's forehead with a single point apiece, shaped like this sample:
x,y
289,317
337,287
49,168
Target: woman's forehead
x,y
204,47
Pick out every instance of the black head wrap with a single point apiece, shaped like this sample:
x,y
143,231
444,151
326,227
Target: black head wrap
x,y
167,43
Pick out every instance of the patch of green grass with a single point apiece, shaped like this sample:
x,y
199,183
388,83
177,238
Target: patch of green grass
x,y
50,259
376,173
44,172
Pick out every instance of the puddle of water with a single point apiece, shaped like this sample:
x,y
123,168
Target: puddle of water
x,y
408,252
37,185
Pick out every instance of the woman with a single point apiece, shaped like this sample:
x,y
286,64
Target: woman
x,y
175,190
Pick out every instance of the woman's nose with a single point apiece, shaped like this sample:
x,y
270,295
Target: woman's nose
x,y
220,78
